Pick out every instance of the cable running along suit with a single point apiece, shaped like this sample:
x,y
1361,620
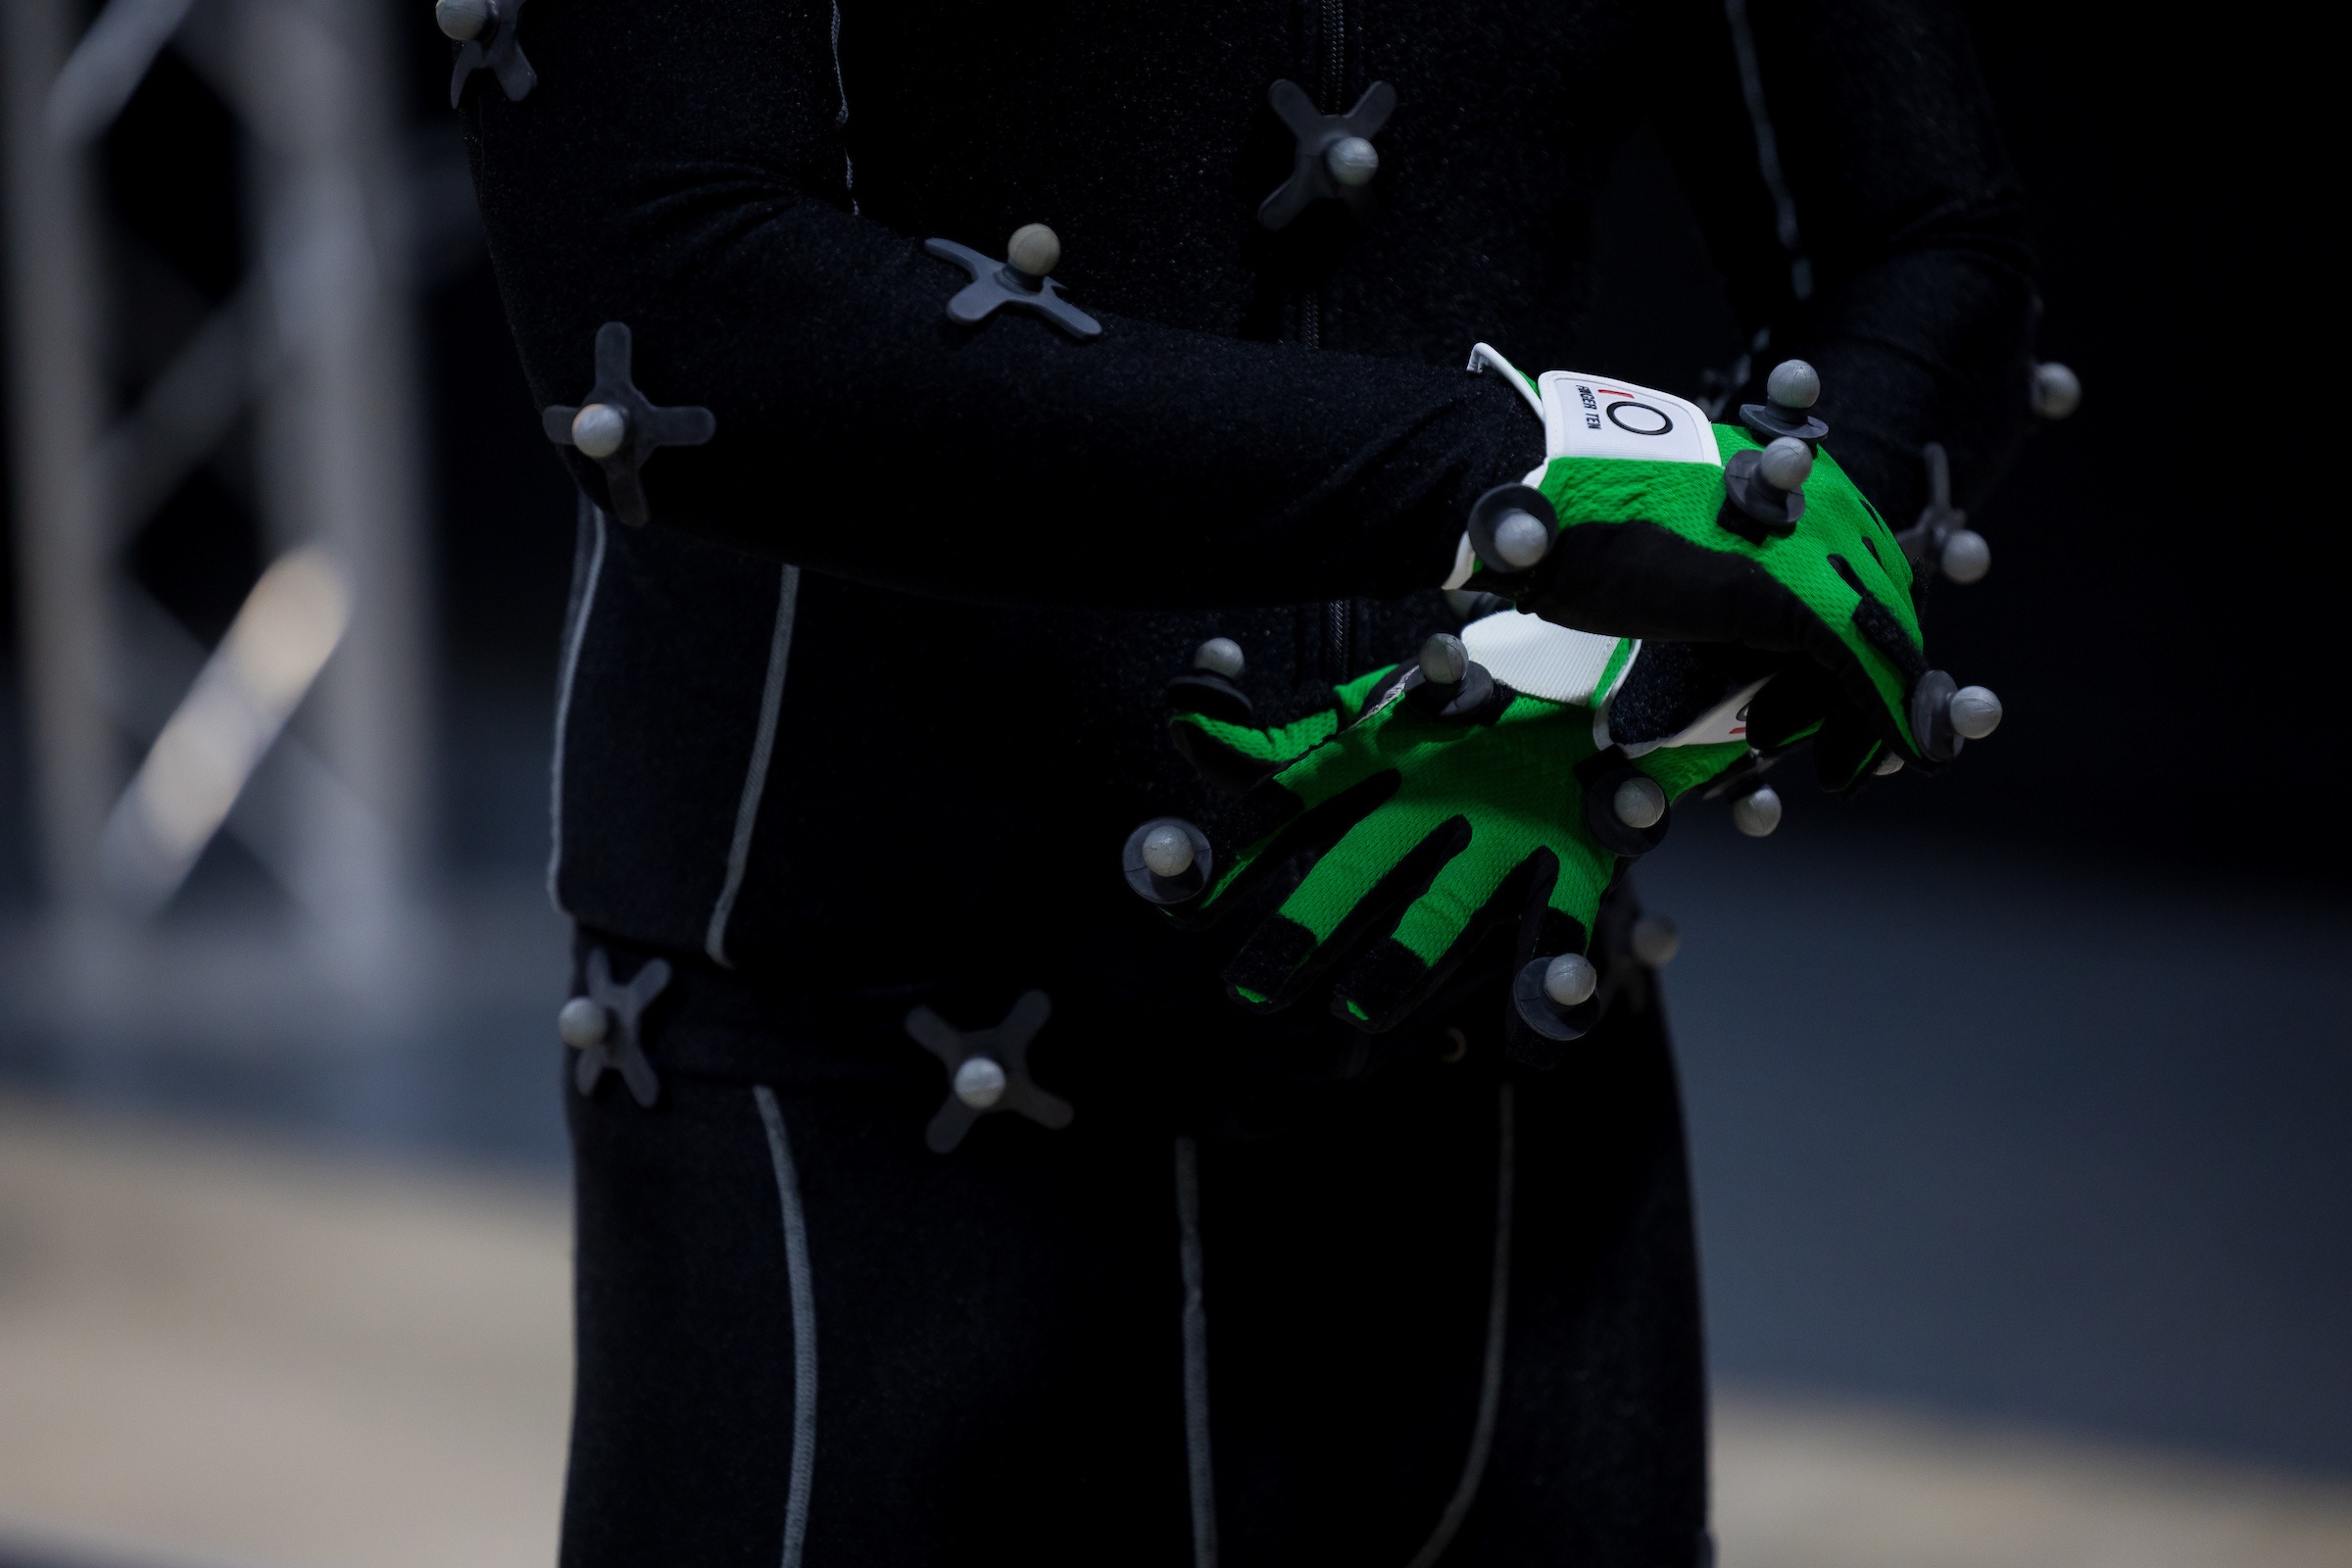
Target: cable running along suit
x,y
858,723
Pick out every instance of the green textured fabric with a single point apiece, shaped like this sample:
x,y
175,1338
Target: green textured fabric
x,y
1431,832
1840,566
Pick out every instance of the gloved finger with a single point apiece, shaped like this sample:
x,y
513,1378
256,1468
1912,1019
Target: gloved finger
x,y
1352,890
1476,890
1234,757
1275,828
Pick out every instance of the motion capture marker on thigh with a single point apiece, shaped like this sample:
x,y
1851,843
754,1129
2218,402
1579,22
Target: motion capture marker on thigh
x,y
1655,941
606,1027
2055,391
1333,157
1757,814
1168,861
1532,996
490,31
988,1070
1020,281
1790,392
621,428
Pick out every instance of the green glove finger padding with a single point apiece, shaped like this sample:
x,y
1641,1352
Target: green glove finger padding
x,y
1427,834
1643,552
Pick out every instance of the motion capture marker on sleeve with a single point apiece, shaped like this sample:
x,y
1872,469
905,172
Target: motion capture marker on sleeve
x,y
1220,657
621,428
1020,281
1757,814
1168,861
988,1071
490,31
1541,980
605,1027
1655,941
2056,390
1790,391
1886,766
1334,159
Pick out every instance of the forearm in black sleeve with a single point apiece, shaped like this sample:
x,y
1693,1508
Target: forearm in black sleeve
x,y
677,168
1918,308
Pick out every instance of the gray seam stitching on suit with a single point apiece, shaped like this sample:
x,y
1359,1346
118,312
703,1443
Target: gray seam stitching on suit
x,y
1768,148
1199,1472
841,121
1490,1388
803,1328
754,777
577,635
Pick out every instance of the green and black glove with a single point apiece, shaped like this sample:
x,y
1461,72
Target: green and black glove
x,y
1435,804
1646,520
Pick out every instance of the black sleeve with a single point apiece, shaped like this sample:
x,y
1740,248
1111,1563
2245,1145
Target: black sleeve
x,y
1895,253
677,168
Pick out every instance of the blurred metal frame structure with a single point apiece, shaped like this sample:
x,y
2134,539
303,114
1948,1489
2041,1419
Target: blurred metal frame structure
x,y
317,342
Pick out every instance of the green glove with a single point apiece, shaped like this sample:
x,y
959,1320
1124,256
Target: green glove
x,y
1647,521
1434,810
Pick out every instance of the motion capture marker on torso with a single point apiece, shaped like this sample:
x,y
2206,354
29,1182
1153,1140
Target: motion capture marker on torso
x,y
1168,861
1334,159
988,1071
2056,390
603,1027
1020,280
490,31
621,428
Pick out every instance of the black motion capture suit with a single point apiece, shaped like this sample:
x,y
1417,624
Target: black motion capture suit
x,y
1281,1291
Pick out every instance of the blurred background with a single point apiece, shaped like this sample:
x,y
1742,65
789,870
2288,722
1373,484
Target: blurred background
x,y
2017,1098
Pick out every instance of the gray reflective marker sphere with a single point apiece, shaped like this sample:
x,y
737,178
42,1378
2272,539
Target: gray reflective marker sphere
x,y
599,429
1168,850
1521,540
1656,941
1034,249
461,19
584,1023
1639,803
1352,161
1887,765
1757,813
1444,660
1786,463
980,1082
1219,656
1570,980
1793,384
1966,558
2057,390
1975,713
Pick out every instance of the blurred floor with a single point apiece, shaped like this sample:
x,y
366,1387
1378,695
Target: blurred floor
x,y
217,1352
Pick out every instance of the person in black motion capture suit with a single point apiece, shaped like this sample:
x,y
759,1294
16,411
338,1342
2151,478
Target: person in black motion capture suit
x,y
860,693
